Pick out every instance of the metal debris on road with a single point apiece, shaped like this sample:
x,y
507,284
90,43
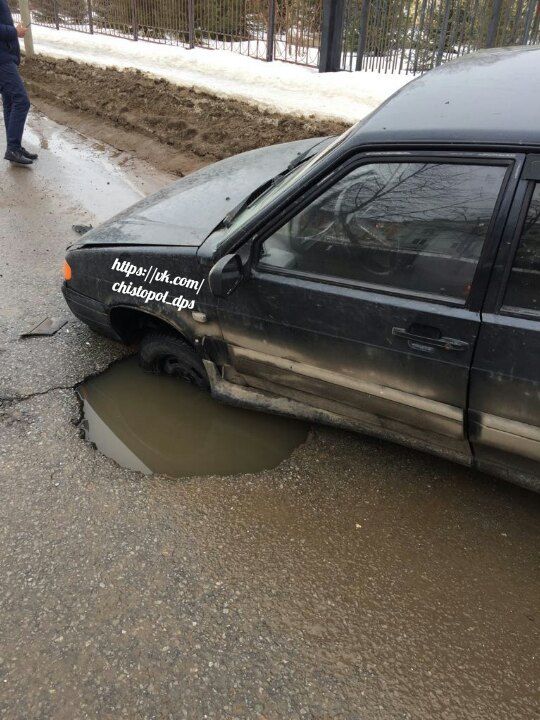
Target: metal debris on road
x,y
48,326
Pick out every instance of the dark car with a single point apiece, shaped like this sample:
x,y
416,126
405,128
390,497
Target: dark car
x,y
387,281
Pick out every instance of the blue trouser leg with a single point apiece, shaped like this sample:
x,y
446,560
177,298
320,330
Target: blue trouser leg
x,y
15,103
7,105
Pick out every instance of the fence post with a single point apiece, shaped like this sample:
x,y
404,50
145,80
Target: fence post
x,y
443,30
362,35
536,23
56,15
491,38
332,35
191,23
25,19
421,26
528,21
271,30
90,18
135,19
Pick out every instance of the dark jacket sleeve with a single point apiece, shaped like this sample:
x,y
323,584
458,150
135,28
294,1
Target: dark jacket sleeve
x,y
8,32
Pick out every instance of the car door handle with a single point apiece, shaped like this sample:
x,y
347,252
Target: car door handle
x,y
444,343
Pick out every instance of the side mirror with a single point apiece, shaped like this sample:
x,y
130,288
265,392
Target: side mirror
x,y
226,275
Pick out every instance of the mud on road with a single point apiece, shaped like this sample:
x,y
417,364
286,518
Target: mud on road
x,y
196,127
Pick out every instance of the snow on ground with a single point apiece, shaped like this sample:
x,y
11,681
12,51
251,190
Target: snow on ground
x,y
277,85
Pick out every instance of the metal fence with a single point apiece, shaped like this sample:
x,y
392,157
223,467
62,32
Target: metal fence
x,y
390,36
416,35
14,6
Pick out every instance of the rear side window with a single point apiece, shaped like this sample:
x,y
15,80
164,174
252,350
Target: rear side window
x,y
523,289
413,227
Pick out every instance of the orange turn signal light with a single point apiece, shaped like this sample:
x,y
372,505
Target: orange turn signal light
x,y
67,271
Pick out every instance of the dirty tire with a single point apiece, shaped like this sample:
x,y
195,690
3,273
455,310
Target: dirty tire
x,y
168,354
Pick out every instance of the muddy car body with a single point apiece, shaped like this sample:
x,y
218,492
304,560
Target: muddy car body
x,y
386,281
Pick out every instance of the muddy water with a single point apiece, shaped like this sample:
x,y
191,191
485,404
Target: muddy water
x,y
163,425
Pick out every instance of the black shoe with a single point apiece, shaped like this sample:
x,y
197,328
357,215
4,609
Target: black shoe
x,y
17,157
29,155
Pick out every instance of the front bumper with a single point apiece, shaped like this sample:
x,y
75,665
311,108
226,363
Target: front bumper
x,y
90,311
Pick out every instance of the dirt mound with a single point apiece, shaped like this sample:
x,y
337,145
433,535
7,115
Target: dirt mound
x,y
186,120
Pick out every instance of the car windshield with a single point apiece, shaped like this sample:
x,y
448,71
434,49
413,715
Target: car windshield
x,y
280,186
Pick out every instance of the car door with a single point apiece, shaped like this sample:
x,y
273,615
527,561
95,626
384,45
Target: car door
x,y
366,301
504,413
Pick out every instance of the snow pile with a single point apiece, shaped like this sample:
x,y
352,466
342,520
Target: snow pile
x,y
277,86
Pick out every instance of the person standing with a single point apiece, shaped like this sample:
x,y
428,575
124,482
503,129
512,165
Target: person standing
x,y
14,96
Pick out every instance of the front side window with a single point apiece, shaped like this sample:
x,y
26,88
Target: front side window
x,y
523,289
414,227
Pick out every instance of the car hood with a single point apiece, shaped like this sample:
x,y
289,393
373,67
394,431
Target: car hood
x,y
185,213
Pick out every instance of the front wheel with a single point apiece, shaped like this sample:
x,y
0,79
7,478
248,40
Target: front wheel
x,y
168,354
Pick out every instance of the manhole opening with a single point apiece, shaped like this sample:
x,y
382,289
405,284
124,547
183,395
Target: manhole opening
x,y
160,424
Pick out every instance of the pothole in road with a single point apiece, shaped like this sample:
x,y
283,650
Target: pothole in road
x,y
159,424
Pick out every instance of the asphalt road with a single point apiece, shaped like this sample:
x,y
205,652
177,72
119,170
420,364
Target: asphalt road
x,y
358,580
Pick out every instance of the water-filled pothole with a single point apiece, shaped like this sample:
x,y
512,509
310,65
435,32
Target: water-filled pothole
x,y
161,424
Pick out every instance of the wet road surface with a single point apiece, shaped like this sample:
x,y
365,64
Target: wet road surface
x,y
157,424
356,580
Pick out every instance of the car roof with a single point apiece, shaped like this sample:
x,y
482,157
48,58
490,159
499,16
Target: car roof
x,y
491,97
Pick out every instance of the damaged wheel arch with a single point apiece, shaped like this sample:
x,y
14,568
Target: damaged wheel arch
x,y
131,324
